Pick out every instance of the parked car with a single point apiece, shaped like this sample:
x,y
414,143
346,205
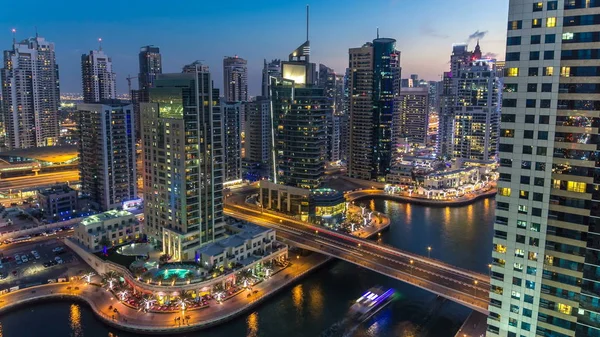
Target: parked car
x,y
24,259
58,249
58,260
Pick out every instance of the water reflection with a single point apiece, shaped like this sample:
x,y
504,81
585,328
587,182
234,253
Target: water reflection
x,y
298,297
1,333
252,324
408,214
75,320
316,301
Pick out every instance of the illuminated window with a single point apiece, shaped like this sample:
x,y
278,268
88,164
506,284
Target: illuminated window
x,y
512,72
515,295
500,248
565,309
565,71
517,266
504,191
548,71
574,186
532,256
538,6
519,252
551,22
536,23
568,36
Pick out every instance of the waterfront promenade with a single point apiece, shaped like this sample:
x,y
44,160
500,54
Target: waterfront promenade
x,y
129,319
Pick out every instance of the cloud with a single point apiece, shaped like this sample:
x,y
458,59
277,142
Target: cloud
x,y
429,31
490,56
477,35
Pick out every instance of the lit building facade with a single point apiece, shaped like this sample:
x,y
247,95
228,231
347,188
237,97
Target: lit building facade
x,y
99,82
374,86
476,111
413,119
232,140
544,273
30,91
258,131
107,156
182,139
271,69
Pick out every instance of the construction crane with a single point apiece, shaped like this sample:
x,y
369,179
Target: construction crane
x,y
129,78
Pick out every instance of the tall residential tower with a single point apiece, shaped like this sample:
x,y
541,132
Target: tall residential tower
x,y
235,79
30,92
182,139
374,86
545,271
99,81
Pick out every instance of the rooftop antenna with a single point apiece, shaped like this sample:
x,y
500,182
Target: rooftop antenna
x,y
36,32
14,32
100,44
307,17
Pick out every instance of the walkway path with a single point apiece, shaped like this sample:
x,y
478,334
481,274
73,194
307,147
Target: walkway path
x,y
158,323
465,200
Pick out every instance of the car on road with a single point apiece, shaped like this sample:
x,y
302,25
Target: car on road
x,y
47,264
58,260
58,249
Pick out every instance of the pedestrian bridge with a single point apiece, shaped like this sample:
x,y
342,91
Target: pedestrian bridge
x,y
459,285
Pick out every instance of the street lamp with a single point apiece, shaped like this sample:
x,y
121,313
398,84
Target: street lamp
x,y
490,269
429,252
475,289
411,266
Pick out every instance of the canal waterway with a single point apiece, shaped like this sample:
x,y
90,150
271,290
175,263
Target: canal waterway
x,y
457,235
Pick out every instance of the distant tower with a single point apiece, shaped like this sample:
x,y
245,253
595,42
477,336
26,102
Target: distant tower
x,y
476,52
270,69
150,66
99,81
30,90
235,79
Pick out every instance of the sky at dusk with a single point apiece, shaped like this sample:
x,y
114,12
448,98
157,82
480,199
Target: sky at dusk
x,y
188,30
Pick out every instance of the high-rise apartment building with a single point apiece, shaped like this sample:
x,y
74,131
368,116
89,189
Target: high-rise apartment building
x,y
374,86
235,79
232,140
299,111
413,117
30,92
270,69
327,81
99,81
150,62
182,138
107,156
258,131
476,111
545,274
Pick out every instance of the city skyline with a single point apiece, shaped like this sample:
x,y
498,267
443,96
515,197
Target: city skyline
x,y
334,27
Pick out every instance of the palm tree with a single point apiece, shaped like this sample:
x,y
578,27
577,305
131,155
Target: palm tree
x,y
183,299
110,278
122,294
218,291
148,301
245,275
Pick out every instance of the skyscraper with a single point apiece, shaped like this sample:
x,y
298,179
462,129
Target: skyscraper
x,y
544,274
99,82
327,81
150,62
413,116
30,92
182,138
374,89
107,156
232,142
235,79
476,111
271,69
258,131
299,111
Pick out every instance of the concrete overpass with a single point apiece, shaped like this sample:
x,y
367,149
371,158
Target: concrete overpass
x,y
459,285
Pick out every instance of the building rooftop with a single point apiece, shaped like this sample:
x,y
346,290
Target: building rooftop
x,y
56,189
97,218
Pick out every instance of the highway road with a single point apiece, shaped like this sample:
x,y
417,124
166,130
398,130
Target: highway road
x,y
32,182
466,287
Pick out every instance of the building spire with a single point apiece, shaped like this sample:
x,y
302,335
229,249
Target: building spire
x,y
377,32
100,44
14,32
307,21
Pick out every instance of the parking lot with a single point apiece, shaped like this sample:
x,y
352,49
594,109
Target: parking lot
x,y
51,260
